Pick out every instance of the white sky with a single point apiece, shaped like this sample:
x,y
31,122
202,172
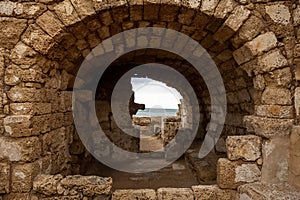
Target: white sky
x,y
155,94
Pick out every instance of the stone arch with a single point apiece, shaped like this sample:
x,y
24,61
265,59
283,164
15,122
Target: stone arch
x,y
241,39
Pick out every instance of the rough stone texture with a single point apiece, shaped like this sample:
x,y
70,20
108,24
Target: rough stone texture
x,y
5,178
22,149
246,147
297,101
275,111
49,18
77,185
279,13
143,194
261,191
231,174
268,127
294,159
275,160
208,192
174,194
23,175
11,31
276,96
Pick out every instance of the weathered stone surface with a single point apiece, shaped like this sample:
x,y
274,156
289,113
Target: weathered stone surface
x,y
23,149
231,174
66,13
279,13
261,191
174,194
232,24
224,8
83,8
47,184
296,16
208,6
208,192
275,160
87,185
268,127
18,125
294,159
23,175
49,23
276,96
5,178
36,38
30,108
134,194
297,100
11,31
246,147
280,77
270,61
258,45
275,111
23,55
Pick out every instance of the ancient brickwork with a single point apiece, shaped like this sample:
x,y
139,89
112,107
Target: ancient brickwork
x,y
254,43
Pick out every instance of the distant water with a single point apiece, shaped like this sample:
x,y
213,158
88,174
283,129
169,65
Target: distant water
x,y
156,112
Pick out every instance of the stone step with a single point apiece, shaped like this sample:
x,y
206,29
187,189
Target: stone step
x,y
262,191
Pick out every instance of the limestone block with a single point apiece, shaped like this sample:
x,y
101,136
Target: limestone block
x,y
22,54
83,8
246,147
23,175
232,24
224,8
279,77
275,111
275,160
46,184
231,174
258,45
148,194
87,185
208,6
250,29
41,123
49,23
276,96
208,192
268,127
270,61
11,31
36,38
30,108
18,125
5,178
174,194
279,13
21,149
66,13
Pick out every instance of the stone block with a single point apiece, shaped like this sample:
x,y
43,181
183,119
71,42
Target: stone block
x,y
246,147
208,192
11,31
20,94
279,13
276,96
224,8
175,194
36,38
275,160
86,185
5,178
49,23
270,61
296,16
19,196
23,55
279,77
18,125
140,194
232,24
20,149
208,6
231,174
66,13
46,184
23,175
275,111
257,46
83,8
268,127
41,124
30,108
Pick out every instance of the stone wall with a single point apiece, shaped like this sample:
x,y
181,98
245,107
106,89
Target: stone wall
x,y
254,43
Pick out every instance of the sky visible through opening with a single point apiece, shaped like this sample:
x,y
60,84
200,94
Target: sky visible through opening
x,y
159,99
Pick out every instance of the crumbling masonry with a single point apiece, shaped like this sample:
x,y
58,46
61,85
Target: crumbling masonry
x,y
255,44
